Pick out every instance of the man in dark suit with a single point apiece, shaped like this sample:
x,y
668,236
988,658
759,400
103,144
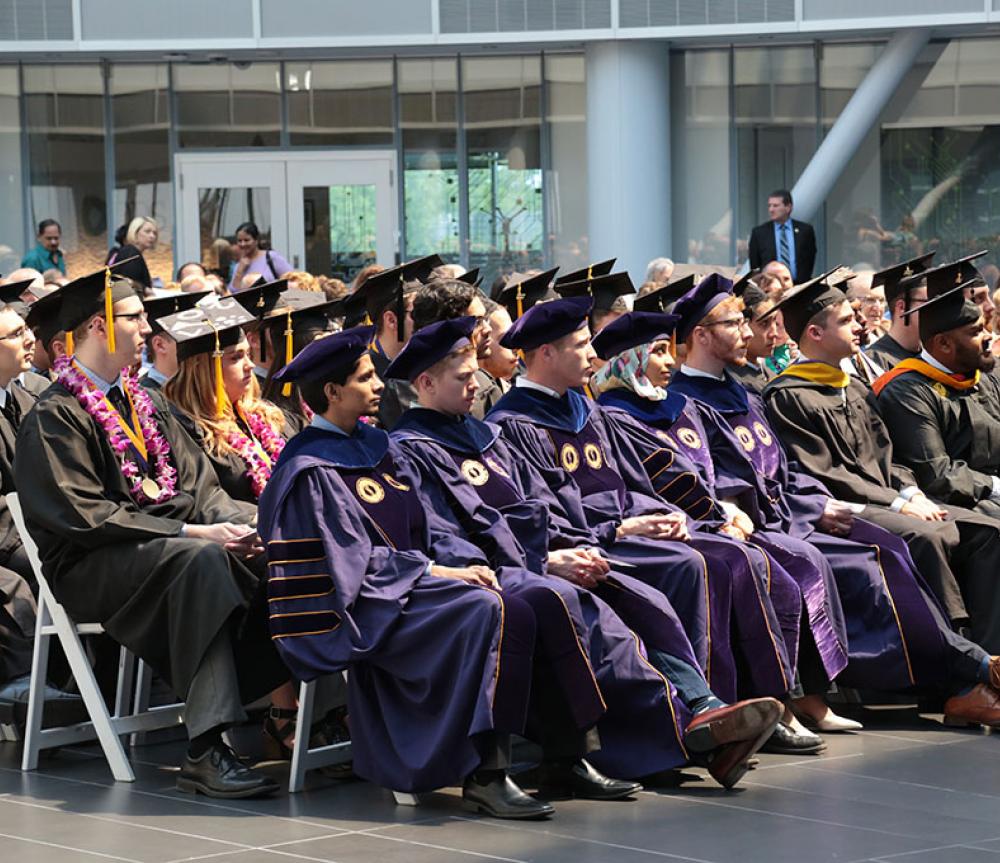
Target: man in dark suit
x,y
783,239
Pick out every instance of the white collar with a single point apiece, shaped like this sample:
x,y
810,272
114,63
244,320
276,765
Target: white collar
x,y
522,381
698,373
927,358
97,380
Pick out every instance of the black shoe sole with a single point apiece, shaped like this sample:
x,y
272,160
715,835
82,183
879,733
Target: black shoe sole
x,y
191,786
537,815
559,793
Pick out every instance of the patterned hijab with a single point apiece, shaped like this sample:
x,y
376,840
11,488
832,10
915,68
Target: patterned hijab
x,y
628,370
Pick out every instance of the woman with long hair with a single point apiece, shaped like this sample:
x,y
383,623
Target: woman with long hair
x,y
141,237
256,258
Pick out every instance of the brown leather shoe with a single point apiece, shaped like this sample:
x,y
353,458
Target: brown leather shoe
x,y
745,720
995,672
979,706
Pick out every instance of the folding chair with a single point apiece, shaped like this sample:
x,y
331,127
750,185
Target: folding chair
x,y
304,758
108,729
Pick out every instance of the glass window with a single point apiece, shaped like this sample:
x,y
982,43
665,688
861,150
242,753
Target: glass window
x,y
774,95
427,116
340,103
699,83
64,109
12,228
140,106
566,182
230,105
502,124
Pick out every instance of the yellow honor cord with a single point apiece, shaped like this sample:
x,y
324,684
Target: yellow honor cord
x,y
109,309
69,343
286,389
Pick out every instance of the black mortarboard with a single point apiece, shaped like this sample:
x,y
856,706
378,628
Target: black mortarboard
x,y
471,277
694,306
382,290
93,293
947,311
899,279
262,297
429,345
10,295
522,292
663,298
840,277
296,311
601,269
208,329
544,323
805,301
178,301
743,282
604,289
944,277
43,317
630,330
323,356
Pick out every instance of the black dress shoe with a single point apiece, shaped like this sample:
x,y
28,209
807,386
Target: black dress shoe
x,y
495,794
218,772
786,741
582,780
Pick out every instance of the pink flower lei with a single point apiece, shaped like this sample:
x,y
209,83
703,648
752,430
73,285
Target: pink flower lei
x,y
259,450
97,406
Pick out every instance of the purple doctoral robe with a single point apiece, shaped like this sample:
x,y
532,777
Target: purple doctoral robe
x,y
435,662
466,468
896,633
565,442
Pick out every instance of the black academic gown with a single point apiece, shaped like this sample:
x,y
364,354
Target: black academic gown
x,y
125,565
836,435
489,392
948,437
886,351
754,377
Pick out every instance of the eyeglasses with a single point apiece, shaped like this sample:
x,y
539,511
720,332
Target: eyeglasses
x,y
17,334
133,316
727,322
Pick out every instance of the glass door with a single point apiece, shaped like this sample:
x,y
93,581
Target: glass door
x,y
341,211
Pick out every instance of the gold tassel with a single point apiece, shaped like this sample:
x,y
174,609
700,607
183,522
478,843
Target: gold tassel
x,y
520,302
673,345
286,389
220,389
69,343
109,309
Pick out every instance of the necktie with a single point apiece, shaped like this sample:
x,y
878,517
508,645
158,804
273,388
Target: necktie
x,y
784,252
12,412
120,403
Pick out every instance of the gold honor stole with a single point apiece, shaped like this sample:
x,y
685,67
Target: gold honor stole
x,y
915,364
819,373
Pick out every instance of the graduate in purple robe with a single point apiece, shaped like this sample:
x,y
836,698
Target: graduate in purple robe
x,y
562,435
897,634
466,468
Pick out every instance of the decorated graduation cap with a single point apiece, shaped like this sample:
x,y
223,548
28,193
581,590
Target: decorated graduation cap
x,y
210,329
544,323
521,292
948,310
695,305
604,289
10,295
663,298
322,357
179,301
944,277
44,319
600,269
91,294
382,290
297,309
805,301
633,329
430,345
898,280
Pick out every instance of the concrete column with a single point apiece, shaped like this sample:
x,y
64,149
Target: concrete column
x,y
628,152
855,121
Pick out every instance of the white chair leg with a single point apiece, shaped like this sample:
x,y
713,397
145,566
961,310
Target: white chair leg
x,y
403,798
303,725
123,691
143,687
36,695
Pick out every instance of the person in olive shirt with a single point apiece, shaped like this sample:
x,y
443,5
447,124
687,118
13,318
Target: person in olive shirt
x,y
942,407
829,426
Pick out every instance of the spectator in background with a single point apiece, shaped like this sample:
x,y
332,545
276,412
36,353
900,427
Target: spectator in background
x,y
54,278
192,268
300,280
783,239
256,261
195,283
779,271
216,283
771,285
659,271
46,255
140,238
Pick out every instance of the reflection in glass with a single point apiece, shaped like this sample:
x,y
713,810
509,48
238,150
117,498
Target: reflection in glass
x,y
227,106
502,98
12,228
427,99
220,211
340,229
141,120
340,103
64,111
567,180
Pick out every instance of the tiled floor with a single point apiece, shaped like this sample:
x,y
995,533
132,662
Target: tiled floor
x,y
906,791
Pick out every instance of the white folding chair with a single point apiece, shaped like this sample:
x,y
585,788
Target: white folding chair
x,y
108,729
304,758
